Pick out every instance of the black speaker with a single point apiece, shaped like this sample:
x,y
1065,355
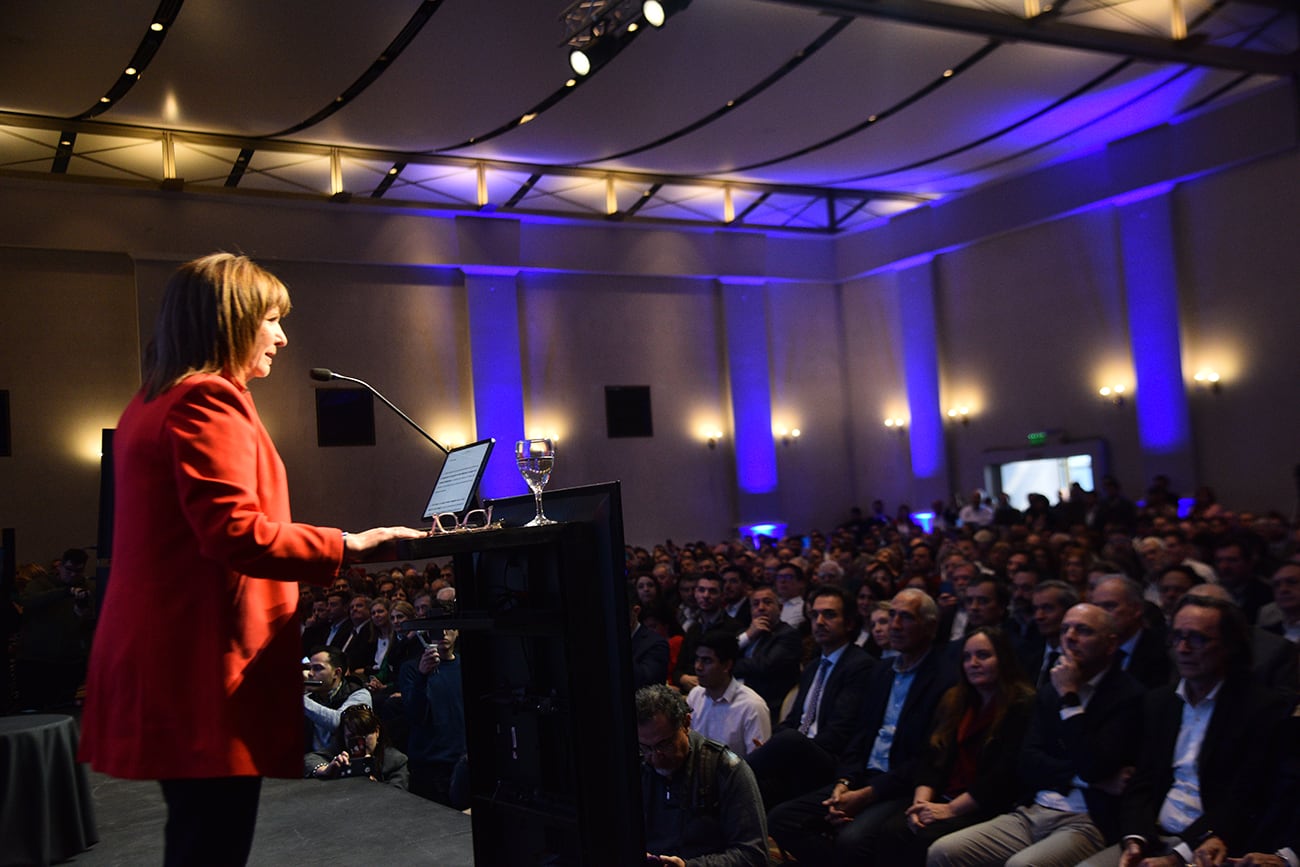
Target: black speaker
x,y
345,417
627,411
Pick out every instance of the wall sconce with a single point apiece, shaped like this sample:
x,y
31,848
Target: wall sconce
x,y
896,423
1208,379
960,414
1113,393
788,436
711,436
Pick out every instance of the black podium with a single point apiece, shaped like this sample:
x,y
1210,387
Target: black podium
x,y
544,639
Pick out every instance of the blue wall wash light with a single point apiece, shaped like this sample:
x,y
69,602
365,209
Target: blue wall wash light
x,y
924,520
774,529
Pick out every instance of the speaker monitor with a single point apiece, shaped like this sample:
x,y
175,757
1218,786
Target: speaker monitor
x,y
627,411
344,417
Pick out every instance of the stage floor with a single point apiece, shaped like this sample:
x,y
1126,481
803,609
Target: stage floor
x,y
299,822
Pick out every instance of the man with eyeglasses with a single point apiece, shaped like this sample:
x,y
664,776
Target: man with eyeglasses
x,y
1208,747
698,798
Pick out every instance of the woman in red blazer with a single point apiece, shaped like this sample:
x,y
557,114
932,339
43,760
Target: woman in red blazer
x,y
194,674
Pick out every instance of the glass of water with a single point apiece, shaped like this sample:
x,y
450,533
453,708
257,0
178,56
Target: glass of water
x,y
535,459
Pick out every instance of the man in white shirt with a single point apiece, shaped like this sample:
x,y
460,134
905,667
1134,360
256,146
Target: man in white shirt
x,y
722,708
1207,746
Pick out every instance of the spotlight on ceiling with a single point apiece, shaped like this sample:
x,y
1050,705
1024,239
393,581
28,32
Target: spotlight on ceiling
x,y
656,12
593,55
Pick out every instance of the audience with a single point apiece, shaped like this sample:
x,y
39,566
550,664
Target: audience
x,y
864,706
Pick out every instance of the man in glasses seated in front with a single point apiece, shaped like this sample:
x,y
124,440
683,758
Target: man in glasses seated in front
x,y
1209,747
697,796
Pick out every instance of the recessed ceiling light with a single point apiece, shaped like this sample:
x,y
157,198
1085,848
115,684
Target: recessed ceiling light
x,y
131,70
105,99
156,26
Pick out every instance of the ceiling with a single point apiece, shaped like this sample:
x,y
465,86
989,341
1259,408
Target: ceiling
x,y
815,115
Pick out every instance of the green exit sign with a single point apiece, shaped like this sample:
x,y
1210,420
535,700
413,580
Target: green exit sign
x,y
1037,438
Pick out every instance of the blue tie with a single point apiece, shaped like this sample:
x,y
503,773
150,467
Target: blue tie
x,y
814,697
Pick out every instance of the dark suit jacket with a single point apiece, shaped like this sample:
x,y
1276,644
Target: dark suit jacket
x,y
1092,745
649,657
1150,664
841,703
1277,663
773,667
360,651
933,676
1241,746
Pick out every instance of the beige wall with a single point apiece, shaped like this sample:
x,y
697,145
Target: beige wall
x,y
1029,318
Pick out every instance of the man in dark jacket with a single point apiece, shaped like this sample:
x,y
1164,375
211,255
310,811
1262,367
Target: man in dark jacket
x,y
878,767
1079,752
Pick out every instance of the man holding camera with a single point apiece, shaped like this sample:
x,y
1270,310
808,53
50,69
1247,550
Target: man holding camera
x,y
329,692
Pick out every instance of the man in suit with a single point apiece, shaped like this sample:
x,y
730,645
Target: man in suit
x,y
735,595
649,649
1075,760
770,650
710,615
836,822
1275,659
1206,746
333,628
1051,601
357,639
1142,651
805,749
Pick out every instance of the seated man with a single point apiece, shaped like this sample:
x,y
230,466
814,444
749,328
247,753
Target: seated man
x,y
649,649
698,797
722,708
834,824
330,690
1206,746
769,651
1075,760
806,748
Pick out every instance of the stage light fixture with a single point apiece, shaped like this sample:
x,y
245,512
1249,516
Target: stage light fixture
x,y
592,56
656,12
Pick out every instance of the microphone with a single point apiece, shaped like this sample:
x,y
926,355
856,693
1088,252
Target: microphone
x,y
324,374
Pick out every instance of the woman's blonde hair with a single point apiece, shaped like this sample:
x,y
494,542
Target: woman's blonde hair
x,y
211,311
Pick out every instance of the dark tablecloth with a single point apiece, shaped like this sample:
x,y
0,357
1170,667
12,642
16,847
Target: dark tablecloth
x,y
46,813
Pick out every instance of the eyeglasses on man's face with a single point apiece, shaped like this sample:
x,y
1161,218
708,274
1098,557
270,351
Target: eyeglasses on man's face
x,y
1195,640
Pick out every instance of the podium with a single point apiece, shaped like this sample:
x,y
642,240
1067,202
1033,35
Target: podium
x,y
545,662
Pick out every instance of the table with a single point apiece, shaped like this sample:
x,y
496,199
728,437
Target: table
x,y
46,812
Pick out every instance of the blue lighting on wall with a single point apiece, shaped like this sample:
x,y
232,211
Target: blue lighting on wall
x,y
774,529
924,520
745,314
921,367
498,384
1151,288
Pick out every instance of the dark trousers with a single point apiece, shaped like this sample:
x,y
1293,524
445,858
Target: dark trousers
x,y
210,822
800,828
789,765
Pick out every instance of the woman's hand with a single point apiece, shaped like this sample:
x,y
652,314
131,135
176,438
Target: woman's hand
x,y
923,813
356,544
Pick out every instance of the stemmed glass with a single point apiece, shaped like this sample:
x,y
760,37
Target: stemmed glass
x,y
535,459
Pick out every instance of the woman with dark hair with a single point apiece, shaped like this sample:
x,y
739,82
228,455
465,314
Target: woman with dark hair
x,y
366,756
970,772
194,674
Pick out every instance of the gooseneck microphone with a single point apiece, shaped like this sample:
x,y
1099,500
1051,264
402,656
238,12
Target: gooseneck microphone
x,y
324,374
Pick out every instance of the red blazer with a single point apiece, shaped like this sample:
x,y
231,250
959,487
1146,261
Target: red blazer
x,y
194,671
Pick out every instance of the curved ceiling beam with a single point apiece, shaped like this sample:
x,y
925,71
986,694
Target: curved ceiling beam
x,y
1050,30
408,33
732,104
159,26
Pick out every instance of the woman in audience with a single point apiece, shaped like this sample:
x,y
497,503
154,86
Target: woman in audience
x,y
367,755
647,591
970,772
